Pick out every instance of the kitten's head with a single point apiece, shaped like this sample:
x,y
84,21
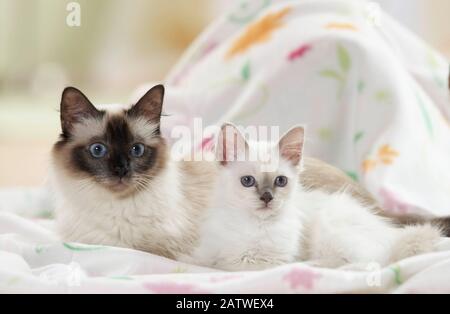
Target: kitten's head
x,y
120,150
247,184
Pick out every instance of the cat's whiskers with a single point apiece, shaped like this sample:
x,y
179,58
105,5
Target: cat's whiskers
x,y
140,186
146,176
84,185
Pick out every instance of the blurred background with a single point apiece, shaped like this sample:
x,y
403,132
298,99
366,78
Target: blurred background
x,y
119,45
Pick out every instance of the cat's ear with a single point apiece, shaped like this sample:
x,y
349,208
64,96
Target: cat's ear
x,y
75,107
291,145
150,105
231,144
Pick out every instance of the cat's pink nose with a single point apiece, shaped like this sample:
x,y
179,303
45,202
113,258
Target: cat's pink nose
x,y
266,197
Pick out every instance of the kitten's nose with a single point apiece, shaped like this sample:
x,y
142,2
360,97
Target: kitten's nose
x,y
266,197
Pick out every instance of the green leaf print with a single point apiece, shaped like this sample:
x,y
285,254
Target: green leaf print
x,y
383,96
45,214
352,175
331,74
340,75
425,115
434,65
180,270
83,247
39,249
344,58
397,274
247,11
13,280
361,86
245,72
121,278
359,135
325,134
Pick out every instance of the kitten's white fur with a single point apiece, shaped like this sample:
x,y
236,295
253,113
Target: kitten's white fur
x,y
327,230
236,235
238,232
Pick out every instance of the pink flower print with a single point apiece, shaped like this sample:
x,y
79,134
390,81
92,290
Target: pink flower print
x,y
299,52
393,204
216,279
208,48
207,144
173,288
301,277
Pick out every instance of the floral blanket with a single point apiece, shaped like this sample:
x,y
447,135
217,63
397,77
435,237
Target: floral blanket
x,y
33,260
375,102
374,98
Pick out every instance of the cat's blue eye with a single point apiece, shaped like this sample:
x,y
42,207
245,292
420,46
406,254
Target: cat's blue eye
x,y
281,181
137,150
98,150
248,181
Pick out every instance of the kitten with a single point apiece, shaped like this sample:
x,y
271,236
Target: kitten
x,y
253,222
261,219
115,183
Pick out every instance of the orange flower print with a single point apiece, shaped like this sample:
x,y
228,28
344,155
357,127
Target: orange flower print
x,y
385,155
258,32
341,26
368,165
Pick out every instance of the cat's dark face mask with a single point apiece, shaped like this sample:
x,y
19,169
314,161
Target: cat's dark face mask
x,y
120,150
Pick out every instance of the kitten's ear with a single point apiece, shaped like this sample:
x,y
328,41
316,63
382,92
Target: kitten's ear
x,y
291,145
75,107
231,144
150,105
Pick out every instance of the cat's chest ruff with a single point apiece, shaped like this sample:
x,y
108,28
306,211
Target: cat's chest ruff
x,y
133,222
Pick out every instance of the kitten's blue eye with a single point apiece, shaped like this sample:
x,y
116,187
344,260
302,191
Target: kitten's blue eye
x,y
98,150
137,150
248,181
281,181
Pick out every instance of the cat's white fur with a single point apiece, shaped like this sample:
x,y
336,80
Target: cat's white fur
x,y
158,219
88,213
327,230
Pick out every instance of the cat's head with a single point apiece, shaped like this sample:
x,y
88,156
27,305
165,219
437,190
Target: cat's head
x,y
247,184
120,150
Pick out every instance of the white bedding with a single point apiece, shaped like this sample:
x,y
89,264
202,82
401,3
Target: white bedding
x,y
32,259
383,119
